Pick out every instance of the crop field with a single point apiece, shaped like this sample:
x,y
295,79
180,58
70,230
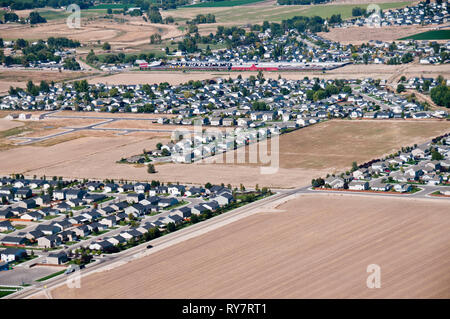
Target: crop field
x,y
430,35
313,246
229,3
270,12
304,154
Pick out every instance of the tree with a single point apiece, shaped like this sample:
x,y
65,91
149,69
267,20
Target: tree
x,y
171,227
317,182
158,146
208,185
154,15
357,12
155,38
106,46
109,11
400,88
35,18
354,166
194,219
441,95
151,169
91,57
436,156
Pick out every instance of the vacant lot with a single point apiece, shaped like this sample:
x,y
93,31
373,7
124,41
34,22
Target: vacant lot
x,y
359,35
270,11
337,144
19,78
352,71
318,247
305,154
7,125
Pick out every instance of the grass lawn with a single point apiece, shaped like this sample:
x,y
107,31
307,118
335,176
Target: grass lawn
x,y
101,232
183,202
4,293
51,276
229,3
49,217
430,35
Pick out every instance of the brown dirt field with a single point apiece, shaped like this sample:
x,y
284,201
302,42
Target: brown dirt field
x,y
306,154
111,115
79,151
19,78
317,247
359,35
334,145
352,71
43,127
137,124
7,124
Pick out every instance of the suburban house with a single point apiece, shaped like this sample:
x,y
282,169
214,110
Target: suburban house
x,y
57,258
49,241
358,185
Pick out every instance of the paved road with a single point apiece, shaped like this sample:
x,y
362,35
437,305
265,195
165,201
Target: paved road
x,y
94,127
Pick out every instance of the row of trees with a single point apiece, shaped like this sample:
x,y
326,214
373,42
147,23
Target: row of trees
x,y
201,19
40,52
33,18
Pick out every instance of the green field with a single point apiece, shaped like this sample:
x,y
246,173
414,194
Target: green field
x,y
430,35
258,14
226,3
5,291
345,10
51,276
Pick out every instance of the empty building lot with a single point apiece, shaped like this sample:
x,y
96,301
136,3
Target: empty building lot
x,y
314,246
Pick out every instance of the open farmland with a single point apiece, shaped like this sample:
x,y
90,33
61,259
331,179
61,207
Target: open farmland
x,y
305,154
259,12
314,246
360,141
134,31
354,71
359,35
